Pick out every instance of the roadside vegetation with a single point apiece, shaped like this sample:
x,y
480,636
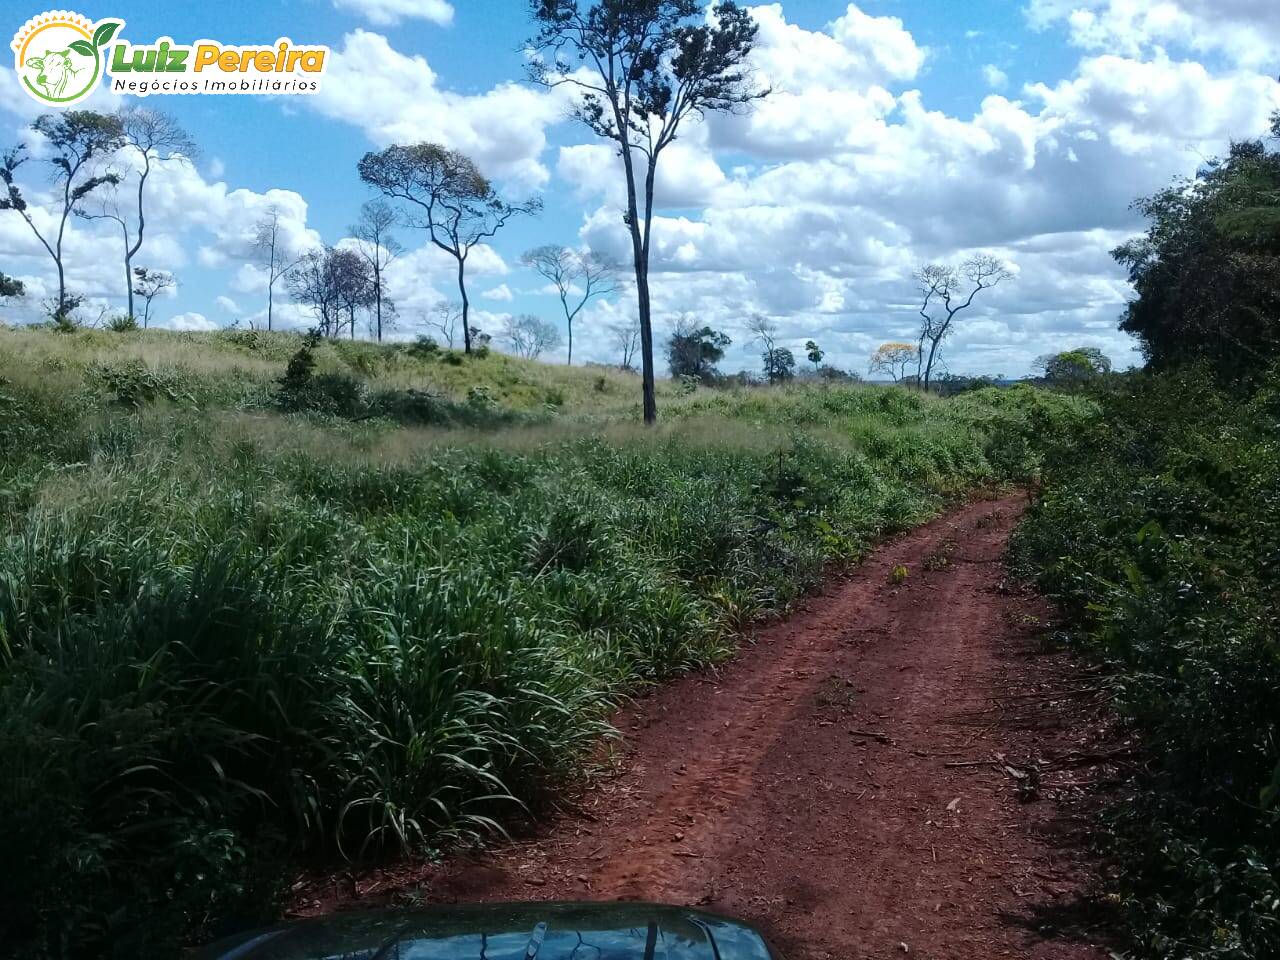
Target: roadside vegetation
x,y
1159,533
270,600
266,598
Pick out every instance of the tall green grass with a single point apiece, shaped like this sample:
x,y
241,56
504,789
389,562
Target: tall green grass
x,y
231,638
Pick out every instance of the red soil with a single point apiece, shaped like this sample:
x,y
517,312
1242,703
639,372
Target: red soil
x,y
897,768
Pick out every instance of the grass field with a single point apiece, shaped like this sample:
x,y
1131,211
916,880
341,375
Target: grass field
x,y
233,636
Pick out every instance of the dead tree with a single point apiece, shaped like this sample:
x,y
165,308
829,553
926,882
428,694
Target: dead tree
x,y
943,296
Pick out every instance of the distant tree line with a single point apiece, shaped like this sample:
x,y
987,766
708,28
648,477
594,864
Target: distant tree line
x,y
694,352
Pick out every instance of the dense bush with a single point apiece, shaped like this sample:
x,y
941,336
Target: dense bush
x,y
228,641
132,383
1159,531
1207,270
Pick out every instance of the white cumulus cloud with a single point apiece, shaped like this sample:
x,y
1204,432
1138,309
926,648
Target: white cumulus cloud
x,y
397,98
189,321
995,78
389,12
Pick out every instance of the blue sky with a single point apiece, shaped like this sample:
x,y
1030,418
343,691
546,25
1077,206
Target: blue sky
x,y
902,131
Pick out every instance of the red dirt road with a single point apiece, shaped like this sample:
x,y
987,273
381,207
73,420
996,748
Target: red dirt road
x,y
835,783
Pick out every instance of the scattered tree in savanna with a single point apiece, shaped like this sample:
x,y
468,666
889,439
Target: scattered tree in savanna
x,y
66,320
778,362
149,137
815,354
376,244
639,68
836,375
693,351
894,359
354,278
271,252
322,279
1207,270
446,195
579,277
11,287
445,317
529,335
76,140
943,292
1071,368
149,284
626,338
950,384
779,365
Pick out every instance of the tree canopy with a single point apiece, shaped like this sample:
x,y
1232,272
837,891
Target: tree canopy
x,y
444,193
1207,270
639,68
694,352
11,287
894,359
1073,367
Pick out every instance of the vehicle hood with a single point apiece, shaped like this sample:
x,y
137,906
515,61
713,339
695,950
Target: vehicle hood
x,y
521,931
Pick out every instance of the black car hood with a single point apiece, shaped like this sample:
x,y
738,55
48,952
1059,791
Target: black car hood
x,y
518,931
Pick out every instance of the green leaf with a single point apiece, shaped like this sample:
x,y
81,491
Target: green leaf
x,y
1151,529
1269,794
105,32
83,47
1133,575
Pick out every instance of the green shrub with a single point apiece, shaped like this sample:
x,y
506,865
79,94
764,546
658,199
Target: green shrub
x,y
424,346
131,383
1159,532
122,323
329,393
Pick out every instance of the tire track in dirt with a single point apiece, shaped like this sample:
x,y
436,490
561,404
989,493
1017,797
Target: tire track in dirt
x,y
805,786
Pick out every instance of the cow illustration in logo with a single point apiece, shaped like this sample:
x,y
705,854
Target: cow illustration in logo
x,y
56,71
58,55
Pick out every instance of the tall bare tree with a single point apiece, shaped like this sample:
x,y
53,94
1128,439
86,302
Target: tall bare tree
x,y
77,141
626,338
579,277
640,68
375,243
943,295
149,137
270,251
445,317
445,194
